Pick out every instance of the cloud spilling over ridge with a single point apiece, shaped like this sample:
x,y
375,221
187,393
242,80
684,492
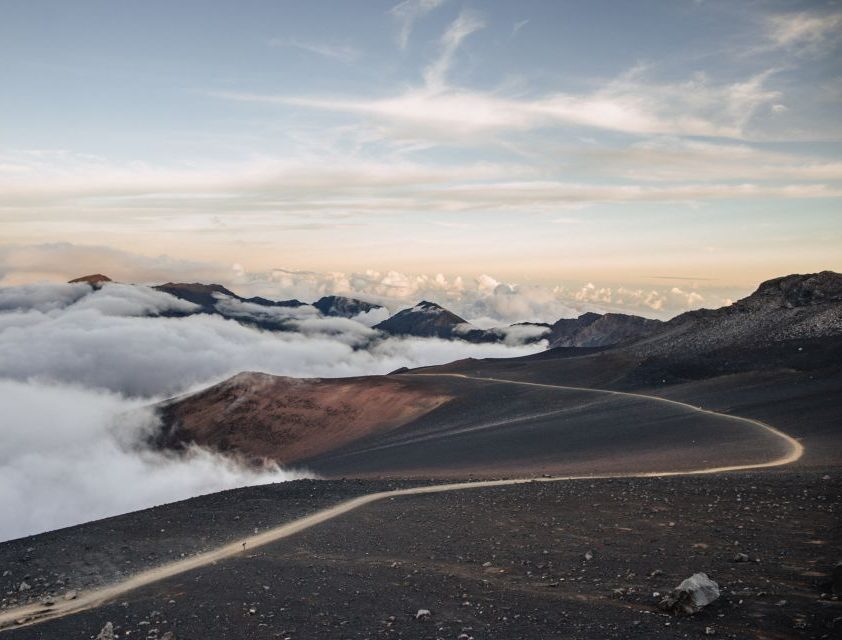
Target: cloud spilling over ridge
x,y
104,341
69,456
78,367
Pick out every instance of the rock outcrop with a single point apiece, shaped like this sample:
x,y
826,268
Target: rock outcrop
x,y
692,595
795,307
342,307
600,330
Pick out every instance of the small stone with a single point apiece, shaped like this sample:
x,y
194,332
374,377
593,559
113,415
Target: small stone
x,y
107,632
71,595
423,614
24,586
589,555
710,631
741,557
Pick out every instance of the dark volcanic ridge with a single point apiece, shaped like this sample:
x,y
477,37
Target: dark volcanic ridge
x,y
790,307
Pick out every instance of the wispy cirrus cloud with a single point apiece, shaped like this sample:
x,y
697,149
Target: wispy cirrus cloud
x,y
342,52
260,191
669,158
629,104
805,32
468,22
406,13
517,26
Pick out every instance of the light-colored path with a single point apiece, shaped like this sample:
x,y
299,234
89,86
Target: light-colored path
x,y
35,613
794,448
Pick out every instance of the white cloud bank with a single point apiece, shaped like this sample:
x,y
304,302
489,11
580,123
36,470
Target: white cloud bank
x,y
69,455
104,341
78,367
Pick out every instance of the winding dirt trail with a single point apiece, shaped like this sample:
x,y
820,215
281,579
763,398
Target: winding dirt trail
x,y
36,613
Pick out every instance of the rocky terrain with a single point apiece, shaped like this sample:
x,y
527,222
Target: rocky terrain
x,y
583,559
787,308
600,330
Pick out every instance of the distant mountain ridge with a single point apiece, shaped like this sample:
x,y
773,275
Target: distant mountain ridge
x,y
794,306
207,295
798,306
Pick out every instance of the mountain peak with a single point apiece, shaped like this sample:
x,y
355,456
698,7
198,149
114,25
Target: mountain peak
x,y
425,319
342,306
797,290
95,279
426,305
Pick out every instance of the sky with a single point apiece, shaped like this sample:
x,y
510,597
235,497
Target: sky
x,y
651,156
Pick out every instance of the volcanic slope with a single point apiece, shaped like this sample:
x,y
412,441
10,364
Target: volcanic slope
x,y
445,426
263,417
570,410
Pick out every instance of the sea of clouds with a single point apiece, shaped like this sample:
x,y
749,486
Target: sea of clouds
x,y
80,368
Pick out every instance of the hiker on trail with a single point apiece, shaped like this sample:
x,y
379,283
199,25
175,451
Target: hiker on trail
x,y
244,546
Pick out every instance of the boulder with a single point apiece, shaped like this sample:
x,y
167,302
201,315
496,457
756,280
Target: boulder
x,y
692,595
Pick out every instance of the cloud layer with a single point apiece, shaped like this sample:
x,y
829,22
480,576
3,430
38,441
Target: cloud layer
x,y
78,370
70,455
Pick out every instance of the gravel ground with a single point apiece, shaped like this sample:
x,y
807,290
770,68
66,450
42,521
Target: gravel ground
x,y
100,552
581,559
